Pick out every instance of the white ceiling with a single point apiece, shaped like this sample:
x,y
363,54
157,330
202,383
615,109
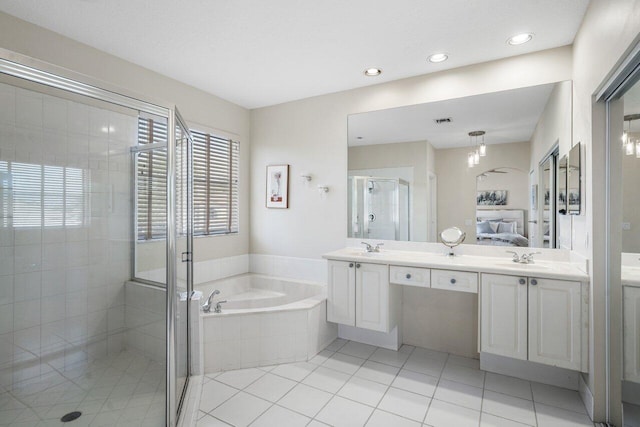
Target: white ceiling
x,y
257,53
508,116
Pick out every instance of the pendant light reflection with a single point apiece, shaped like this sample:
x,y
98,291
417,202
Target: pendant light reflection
x,y
479,149
630,144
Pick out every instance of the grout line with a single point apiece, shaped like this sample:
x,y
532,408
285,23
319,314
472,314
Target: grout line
x,y
389,386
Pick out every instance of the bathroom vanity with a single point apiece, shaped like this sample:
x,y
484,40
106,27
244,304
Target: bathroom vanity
x,y
536,312
631,323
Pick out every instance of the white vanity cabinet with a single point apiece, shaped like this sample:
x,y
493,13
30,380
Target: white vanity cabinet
x,y
503,319
341,293
555,313
631,327
532,319
358,295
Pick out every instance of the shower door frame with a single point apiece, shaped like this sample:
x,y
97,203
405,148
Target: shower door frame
x,y
23,67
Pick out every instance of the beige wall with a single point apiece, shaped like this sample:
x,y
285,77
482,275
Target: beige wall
x,y
457,183
195,105
609,29
311,135
406,154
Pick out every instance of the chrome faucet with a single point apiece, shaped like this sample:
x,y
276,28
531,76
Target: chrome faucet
x,y
206,307
524,258
218,308
371,248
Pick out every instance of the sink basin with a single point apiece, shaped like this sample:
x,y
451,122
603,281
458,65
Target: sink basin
x,y
517,265
364,253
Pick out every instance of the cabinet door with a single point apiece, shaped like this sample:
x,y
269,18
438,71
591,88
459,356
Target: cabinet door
x,y
372,297
504,315
341,293
554,323
631,333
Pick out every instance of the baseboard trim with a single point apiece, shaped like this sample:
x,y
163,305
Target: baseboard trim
x,y
586,395
530,371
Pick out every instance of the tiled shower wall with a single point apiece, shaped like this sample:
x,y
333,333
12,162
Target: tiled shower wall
x,y
65,231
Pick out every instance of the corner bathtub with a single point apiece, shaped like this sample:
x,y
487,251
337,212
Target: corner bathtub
x,y
266,320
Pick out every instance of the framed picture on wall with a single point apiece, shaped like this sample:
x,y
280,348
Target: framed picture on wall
x,y
278,186
491,198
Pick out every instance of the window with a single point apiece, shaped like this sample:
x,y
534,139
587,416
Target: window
x,y
34,195
152,180
215,183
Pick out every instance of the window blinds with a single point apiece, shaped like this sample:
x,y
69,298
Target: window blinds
x,y
215,183
33,195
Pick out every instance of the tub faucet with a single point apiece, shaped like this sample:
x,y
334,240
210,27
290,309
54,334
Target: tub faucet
x,y
218,308
206,307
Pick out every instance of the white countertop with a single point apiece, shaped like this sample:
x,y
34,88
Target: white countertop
x,y
498,265
631,276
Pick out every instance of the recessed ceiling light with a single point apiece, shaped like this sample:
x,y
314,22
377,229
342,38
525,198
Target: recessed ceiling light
x,y
438,57
372,72
520,39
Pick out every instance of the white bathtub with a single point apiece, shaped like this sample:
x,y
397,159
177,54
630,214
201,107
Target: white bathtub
x,y
266,320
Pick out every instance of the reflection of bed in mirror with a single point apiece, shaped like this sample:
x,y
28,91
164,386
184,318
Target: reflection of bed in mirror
x,y
503,227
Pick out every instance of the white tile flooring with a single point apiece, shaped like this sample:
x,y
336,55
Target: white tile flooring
x,y
351,384
126,389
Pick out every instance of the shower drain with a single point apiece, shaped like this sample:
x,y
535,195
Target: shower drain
x,y
71,416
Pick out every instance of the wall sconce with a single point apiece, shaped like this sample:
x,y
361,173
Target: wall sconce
x,y
323,189
305,176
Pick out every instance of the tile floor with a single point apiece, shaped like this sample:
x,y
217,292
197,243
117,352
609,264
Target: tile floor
x,y
351,384
127,389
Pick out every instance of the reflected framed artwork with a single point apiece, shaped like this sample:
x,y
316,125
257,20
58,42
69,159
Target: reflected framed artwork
x,y
277,186
491,198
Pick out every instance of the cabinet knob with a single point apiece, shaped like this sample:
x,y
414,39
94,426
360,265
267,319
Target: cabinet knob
x,y
408,276
350,265
534,282
522,281
453,281
358,265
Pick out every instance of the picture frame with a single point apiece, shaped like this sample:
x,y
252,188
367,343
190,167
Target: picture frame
x,y
277,188
491,198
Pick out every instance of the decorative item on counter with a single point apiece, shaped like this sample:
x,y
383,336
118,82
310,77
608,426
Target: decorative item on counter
x,y
452,237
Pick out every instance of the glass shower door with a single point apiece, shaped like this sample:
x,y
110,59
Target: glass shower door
x,y
382,209
184,254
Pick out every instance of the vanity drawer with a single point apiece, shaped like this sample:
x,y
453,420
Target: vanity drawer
x,y
462,281
412,276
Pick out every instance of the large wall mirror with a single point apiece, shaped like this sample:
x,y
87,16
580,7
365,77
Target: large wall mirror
x,y
473,163
625,300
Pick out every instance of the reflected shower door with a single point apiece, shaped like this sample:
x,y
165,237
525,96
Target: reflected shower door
x,y
381,209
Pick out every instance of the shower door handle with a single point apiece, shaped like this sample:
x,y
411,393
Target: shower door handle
x,y
186,257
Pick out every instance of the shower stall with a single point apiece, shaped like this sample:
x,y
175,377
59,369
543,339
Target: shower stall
x,y
378,208
96,251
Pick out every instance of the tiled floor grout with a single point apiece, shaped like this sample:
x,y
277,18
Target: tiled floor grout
x,y
389,386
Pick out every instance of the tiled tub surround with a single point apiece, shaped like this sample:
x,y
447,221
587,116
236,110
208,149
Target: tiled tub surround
x,y
267,320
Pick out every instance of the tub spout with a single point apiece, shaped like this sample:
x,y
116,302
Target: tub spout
x,y
206,307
